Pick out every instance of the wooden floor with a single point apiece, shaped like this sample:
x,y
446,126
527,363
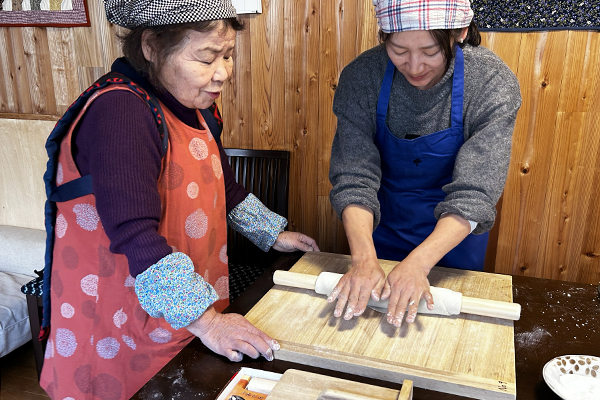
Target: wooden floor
x,y
18,377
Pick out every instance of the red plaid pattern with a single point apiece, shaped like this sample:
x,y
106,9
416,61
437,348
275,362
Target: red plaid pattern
x,y
412,15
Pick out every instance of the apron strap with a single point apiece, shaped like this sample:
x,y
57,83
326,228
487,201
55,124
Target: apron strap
x,y
384,94
458,84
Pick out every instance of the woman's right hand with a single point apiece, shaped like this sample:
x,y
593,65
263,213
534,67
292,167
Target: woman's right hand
x,y
364,280
366,277
232,335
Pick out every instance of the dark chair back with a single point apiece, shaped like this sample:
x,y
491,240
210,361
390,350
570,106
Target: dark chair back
x,y
264,173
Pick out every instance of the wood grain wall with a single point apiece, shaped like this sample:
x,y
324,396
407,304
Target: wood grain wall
x,y
287,63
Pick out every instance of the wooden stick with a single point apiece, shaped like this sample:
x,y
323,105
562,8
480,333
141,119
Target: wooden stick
x,y
261,385
294,279
469,305
407,390
490,308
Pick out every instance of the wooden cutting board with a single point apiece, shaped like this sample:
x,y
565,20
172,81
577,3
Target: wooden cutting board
x,y
467,355
303,385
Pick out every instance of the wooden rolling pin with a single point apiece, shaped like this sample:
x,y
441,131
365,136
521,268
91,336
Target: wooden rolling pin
x,y
446,301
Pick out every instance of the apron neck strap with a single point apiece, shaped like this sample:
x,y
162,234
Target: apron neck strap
x,y
458,87
384,93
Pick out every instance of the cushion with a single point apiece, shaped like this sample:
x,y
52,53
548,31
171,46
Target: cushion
x,y
14,318
22,250
35,287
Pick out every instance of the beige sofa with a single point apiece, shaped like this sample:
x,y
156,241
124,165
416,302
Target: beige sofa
x,y
21,252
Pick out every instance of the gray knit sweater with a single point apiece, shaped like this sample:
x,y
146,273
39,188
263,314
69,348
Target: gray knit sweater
x,y
491,101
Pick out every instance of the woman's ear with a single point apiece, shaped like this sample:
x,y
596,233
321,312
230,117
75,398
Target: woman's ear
x,y
463,33
146,48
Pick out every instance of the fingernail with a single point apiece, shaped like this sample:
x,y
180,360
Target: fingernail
x,y
430,306
410,319
398,320
330,299
349,313
390,318
375,295
337,313
275,345
269,355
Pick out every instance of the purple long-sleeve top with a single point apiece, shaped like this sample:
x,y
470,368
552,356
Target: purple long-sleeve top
x,y
117,142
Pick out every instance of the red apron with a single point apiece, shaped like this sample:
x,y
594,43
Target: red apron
x,y
102,344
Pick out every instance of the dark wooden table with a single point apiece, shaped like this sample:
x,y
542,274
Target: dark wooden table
x,y
557,318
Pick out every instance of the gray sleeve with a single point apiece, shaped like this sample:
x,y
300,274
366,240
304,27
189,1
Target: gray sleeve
x,y
482,162
355,167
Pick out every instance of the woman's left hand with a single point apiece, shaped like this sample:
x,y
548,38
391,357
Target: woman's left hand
x,y
292,241
405,286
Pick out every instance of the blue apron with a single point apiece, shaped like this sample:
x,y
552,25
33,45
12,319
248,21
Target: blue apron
x,y
413,174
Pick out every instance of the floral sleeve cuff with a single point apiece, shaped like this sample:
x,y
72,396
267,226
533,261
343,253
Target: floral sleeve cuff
x,y
255,221
173,290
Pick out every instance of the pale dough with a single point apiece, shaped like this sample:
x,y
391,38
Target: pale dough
x,y
446,301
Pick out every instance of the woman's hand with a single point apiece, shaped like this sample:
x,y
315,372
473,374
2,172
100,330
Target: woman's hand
x,y
405,286
292,241
365,279
231,335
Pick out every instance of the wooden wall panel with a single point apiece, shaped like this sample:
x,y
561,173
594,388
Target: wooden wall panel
x,y
39,70
64,66
18,71
286,68
539,73
588,269
547,200
236,101
22,164
330,228
268,77
301,62
8,86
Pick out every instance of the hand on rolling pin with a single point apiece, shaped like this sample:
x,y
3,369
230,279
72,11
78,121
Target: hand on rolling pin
x,y
405,286
292,241
408,282
365,279
447,302
231,335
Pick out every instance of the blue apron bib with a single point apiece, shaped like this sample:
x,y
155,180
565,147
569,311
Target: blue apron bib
x,y
413,173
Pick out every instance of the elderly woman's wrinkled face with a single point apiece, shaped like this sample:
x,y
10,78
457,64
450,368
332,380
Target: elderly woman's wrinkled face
x,y
195,74
418,57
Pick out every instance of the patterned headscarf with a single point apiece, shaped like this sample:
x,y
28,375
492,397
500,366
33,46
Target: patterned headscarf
x,y
141,13
412,15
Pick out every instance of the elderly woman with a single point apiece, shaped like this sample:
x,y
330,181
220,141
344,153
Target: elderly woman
x,y
421,153
143,254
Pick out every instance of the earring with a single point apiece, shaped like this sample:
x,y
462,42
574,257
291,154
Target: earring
x,y
461,40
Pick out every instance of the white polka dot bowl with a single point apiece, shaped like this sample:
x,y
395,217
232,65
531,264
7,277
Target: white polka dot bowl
x,y
574,377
